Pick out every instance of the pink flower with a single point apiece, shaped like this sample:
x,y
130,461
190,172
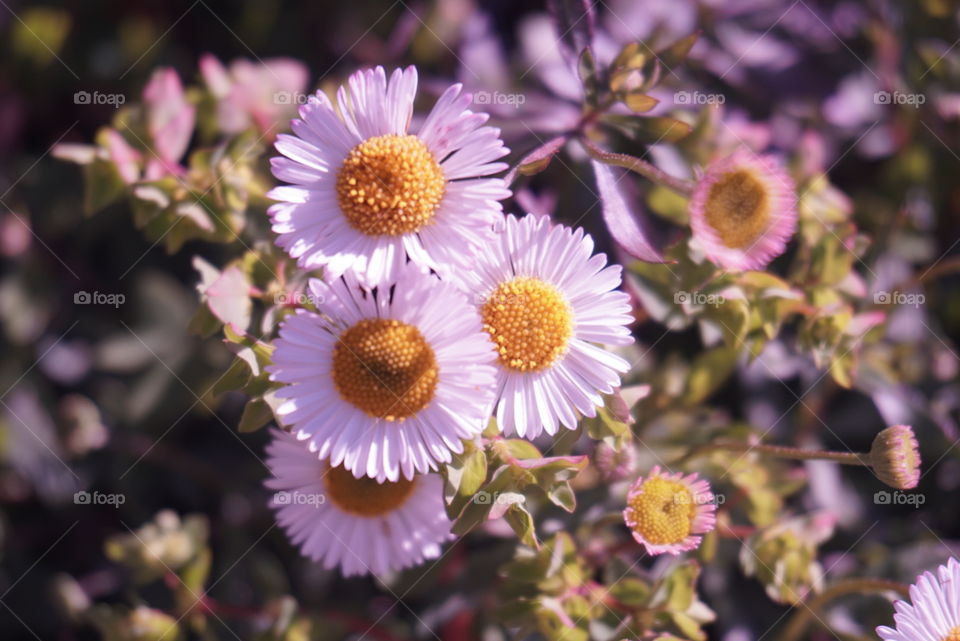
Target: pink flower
x,y
170,120
264,95
667,512
743,211
933,612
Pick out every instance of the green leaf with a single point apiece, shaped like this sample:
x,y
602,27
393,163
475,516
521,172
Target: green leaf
x,y
236,377
563,496
522,523
463,478
103,185
640,102
710,370
650,130
474,472
587,69
630,591
676,53
256,414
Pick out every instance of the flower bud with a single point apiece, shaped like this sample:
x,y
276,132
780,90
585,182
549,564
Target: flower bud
x,y
895,458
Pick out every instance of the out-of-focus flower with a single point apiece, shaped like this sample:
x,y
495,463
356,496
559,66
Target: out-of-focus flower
x,y
784,556
169,118
166,544
367,194
545,301
933,612
743,211
357,524
83,426
64,361
385,382
148,624
15,234
895,457
125,158
30,445
667,512
263,95
615,465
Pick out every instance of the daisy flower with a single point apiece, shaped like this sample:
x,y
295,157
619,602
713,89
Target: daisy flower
x,y
743,211
933,613
360,525
545,301
667,512
385,380
366,193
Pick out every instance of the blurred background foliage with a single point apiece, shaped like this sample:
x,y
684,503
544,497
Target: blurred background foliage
x,y
120,399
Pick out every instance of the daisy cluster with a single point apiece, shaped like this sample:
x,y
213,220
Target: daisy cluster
x,y
435,313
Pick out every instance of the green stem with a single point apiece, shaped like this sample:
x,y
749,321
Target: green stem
x,y
636,165
800,620
779,451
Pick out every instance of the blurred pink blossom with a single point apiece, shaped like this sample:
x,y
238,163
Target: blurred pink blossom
x,y
263,94
170,120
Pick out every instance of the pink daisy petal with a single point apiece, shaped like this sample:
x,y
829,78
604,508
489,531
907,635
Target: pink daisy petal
x,y
353,153
743,211
358,526
549,368
667,513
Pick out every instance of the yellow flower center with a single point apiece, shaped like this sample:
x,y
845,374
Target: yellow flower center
x,y
529,321
385,367
954,635
390,185
364,496
663,511
738,208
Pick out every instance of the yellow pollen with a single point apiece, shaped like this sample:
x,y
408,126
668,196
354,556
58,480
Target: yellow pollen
x,y
530,323
738,208
954,635
364,496
663,511
386,368
390,185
